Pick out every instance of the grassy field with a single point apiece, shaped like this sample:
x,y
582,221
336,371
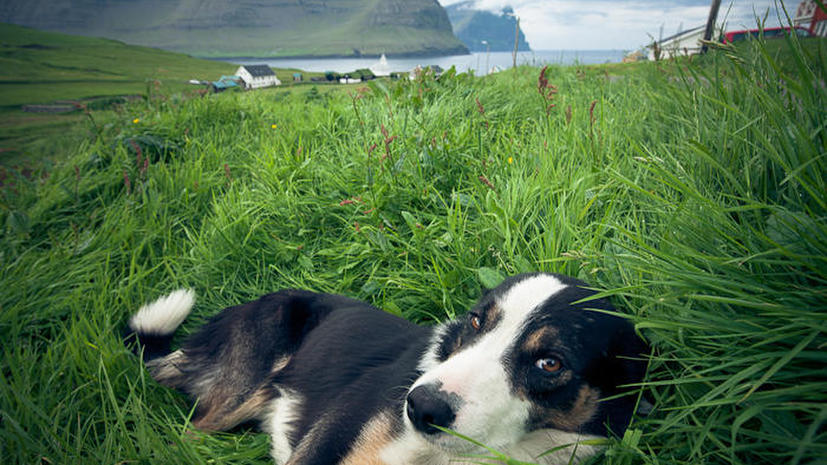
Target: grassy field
x,y
38,67
694,193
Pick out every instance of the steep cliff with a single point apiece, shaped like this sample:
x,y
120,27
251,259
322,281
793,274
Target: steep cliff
x,y
473,26
251,28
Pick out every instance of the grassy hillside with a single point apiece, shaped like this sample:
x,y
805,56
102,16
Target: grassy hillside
x,y
251,28
38,67
694,193
473,26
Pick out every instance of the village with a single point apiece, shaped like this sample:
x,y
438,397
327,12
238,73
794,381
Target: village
x,y
249,77
809,21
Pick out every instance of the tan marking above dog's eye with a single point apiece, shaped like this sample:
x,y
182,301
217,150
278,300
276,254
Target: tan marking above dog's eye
x,y
549,365
476,321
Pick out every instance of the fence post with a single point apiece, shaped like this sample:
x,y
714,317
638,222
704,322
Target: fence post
x,y
710,24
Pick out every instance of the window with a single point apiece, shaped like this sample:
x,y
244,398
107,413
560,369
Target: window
x,y
738,36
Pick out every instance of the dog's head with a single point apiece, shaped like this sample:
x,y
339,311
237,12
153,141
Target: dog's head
x,y
527,357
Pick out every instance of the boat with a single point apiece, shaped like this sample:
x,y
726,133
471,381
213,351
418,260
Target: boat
x,y
381,68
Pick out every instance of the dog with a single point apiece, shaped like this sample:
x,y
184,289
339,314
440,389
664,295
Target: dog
x,y
333,380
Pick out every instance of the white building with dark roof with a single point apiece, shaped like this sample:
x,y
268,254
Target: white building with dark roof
x,y
684,43
257,76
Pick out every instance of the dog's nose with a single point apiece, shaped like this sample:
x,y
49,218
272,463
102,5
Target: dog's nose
x,y
428,407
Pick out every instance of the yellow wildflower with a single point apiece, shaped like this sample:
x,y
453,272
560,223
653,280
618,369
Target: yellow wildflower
x,y
510,160
136,121
274,126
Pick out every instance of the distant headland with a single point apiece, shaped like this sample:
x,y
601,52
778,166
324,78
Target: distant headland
x,y
252,28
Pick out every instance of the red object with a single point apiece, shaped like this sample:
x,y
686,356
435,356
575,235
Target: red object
x,y
812,17
769,33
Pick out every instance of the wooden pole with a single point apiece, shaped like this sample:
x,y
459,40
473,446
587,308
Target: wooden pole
x,y
710,24
516,40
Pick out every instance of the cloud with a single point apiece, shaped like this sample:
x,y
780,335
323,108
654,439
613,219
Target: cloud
x,y
620,24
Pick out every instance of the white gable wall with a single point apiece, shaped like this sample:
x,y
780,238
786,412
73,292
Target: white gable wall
x,y
251,82
686,44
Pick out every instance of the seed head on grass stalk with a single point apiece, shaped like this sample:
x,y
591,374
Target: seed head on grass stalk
x,y
127,182
387,139
481,111
227,174
77,181
138,152
595,142
591,115
547,91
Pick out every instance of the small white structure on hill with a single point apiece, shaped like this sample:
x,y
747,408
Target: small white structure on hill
x,y
683,43
381,69
257,76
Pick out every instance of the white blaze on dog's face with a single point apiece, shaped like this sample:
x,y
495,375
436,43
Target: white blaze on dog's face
x,y
525,359
475,377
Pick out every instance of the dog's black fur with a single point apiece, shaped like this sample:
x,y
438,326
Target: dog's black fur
x,y
352,367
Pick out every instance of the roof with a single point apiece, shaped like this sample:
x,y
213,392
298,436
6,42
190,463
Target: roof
x,y
224,84
259,70
681,34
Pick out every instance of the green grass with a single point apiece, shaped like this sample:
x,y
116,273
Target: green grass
x,y
38,67
695,194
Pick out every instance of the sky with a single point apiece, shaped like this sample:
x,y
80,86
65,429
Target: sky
x,y
623,24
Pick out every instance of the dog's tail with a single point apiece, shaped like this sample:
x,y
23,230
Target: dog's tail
x,y
154,324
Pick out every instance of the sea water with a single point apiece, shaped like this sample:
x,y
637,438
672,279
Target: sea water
x,y
479,62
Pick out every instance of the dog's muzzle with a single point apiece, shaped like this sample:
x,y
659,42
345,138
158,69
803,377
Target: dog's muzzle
x,y
429,407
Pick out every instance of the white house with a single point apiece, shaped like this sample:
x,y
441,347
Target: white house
x,y
683,43
256,76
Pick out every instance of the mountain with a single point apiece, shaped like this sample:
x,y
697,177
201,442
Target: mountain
x,y
251,28
473,26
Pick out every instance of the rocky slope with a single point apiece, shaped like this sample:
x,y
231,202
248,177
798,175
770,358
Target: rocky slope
x,y
251,28
473,26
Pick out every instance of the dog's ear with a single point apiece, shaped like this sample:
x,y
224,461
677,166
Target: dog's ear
x,y
485,292
624,363
631,354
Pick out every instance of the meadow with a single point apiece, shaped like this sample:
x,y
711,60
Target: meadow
x,y
692,192
42,68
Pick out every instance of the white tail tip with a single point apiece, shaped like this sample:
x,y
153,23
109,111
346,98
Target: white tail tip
x,y
164,315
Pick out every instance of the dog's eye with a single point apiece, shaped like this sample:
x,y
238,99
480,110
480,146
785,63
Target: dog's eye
x,y
476,321
549,365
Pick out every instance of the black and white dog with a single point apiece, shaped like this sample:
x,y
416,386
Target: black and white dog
x,y
336,381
